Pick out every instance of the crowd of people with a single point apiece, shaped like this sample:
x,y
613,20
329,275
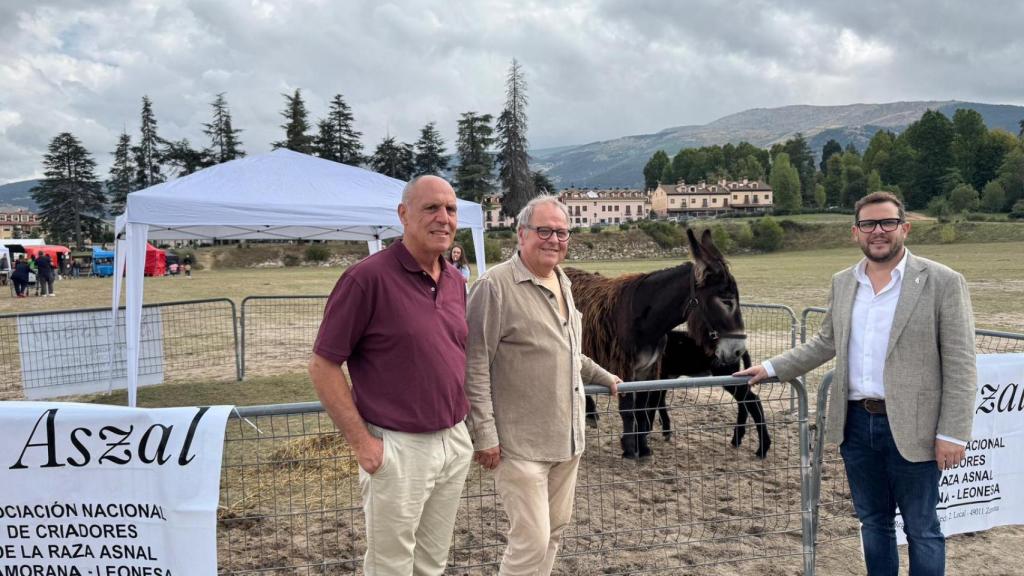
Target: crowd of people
x,y
39,268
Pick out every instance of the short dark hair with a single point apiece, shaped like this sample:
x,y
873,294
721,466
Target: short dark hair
x,y
878,198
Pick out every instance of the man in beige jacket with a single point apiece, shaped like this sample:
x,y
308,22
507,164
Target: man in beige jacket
x,y
524,380
901,407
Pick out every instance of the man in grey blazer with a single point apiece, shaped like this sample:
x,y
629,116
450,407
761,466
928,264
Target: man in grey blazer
x,y
901,406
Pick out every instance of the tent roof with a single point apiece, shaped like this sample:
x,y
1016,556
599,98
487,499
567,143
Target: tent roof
x,y
278,195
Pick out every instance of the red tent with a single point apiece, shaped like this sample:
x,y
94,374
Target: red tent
x,y
51,249
156,261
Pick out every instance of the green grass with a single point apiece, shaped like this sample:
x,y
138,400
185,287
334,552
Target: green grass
x,y
994,271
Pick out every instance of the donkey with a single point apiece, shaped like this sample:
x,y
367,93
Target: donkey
x,y
683,357
626,321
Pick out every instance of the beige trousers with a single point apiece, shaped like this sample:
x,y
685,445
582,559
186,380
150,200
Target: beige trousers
x,y
538,499
410,502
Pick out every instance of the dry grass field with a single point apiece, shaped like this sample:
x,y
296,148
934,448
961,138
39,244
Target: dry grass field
x,y
994,271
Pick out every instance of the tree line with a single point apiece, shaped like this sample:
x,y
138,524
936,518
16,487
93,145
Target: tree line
x,y
940,164
488,155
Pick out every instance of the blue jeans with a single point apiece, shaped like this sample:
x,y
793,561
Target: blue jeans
x,y
881,479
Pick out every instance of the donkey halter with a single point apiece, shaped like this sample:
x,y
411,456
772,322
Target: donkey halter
x,y
693,303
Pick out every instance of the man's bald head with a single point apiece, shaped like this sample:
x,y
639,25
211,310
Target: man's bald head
x,y
421,182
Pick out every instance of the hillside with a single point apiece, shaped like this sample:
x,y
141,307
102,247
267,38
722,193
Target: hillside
x,y
17,194
620,162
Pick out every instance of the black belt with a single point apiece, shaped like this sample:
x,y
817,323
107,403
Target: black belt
x,y
872,405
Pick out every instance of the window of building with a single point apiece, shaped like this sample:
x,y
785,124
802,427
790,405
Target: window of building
x,y
616,220
584,220
705,203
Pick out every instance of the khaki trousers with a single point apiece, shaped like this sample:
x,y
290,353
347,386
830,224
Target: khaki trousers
x,y
538,499
410,502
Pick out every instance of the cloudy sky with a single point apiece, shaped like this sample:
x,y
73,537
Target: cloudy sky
x,y
595,69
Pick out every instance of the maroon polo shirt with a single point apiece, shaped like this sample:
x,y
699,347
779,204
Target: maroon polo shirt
x,y
404,337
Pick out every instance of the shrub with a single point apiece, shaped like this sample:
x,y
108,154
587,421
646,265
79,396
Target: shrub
x,y
492,251
664,234
290,260
595,229
317,253
721,238
1018,210
947,233
625,226
743,236
767,234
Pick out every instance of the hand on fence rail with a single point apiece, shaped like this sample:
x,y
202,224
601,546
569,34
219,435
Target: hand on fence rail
x,y
757,374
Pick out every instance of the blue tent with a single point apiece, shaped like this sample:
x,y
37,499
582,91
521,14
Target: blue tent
x,y
102,262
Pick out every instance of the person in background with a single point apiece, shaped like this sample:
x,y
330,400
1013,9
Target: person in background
x,y
186,263
457,257
44,274
20,276
5,269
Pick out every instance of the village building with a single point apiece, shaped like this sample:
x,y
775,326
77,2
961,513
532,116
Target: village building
x,y
19,223
703,199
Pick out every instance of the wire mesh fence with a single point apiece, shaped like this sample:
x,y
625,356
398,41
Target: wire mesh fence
x,y
278,333
50,354
290,497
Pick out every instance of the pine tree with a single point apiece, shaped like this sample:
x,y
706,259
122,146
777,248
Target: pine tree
x,y
542,184
147,153
122,174
430,152
513,158
336,138
475,137
224,142
393,158
185,159
70,196
296,125
785,183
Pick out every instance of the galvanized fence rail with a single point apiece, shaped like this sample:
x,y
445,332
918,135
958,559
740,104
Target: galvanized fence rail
x,y
56,353
290,497
278,333
835,523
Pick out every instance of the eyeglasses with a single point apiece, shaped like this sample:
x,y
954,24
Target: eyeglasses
x,y
545,233
887,225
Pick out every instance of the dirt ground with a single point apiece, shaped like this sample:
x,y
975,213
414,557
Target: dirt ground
x,y
698,506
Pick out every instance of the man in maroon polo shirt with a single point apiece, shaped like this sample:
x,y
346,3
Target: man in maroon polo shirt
x,y
398,318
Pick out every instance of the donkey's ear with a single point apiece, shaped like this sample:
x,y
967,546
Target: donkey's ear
x,y
708,245
695,249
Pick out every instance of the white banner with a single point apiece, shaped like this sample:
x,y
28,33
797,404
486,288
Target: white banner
x,y
93,490
987,488
69,353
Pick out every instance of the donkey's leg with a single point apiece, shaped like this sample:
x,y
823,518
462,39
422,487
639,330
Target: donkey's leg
x,y
592,415
739,393
647,402
666,422
764,440
630,434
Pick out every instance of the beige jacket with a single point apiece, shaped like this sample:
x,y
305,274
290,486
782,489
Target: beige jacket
x,y
930,376
524,367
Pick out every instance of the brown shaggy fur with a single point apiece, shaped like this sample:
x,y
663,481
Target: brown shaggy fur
x,y
604,304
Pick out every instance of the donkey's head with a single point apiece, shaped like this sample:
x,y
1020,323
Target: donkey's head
x,y
713,316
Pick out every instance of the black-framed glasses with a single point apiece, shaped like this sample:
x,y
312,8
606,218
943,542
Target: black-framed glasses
x,y
545,232
886,224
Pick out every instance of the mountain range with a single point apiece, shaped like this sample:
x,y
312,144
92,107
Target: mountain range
x,y
620,162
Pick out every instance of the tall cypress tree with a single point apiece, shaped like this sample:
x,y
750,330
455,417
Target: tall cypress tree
x,y
430,152
225,144
473,178
785,183
70,196
296,125
147,153
513,158
122,174
395,159
336,138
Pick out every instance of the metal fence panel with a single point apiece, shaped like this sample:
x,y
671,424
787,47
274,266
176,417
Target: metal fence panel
x,y
181,341
278,333
290,499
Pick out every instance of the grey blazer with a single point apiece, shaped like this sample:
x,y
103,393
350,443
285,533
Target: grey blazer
x,y
930,376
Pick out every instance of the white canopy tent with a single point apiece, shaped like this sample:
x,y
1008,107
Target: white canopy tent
x,y
281,195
